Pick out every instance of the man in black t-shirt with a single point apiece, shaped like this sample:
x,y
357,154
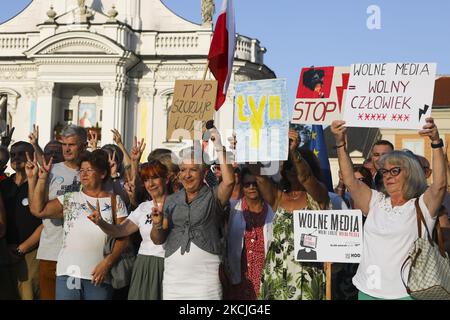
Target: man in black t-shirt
x,y
23,230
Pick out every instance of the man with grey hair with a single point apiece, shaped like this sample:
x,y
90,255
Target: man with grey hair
x,y
64,178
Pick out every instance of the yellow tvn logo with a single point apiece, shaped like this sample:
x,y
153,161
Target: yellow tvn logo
x,y
256,115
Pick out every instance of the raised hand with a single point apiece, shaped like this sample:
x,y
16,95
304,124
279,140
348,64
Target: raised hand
x,y
137,150
44,170
112,163
294,140
117,138
130,187
339,130
31,167
157,215
93,139
430,130
34,136
7,138
95,215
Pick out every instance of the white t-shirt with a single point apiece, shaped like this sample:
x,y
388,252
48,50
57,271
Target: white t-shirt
x,y
62,179
83,241
389,234
142,218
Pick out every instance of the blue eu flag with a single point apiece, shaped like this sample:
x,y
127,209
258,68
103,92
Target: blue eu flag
x,y
318,146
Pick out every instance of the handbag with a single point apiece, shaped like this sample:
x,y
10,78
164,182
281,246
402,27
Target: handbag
x,y
120,273
429,273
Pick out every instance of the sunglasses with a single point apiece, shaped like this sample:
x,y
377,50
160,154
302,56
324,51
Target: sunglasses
x,y
395,171
250,183
17,153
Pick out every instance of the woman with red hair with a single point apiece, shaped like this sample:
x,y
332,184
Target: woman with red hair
x,y
146,279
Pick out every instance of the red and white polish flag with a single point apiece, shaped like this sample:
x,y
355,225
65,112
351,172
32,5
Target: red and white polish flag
x,y
221,52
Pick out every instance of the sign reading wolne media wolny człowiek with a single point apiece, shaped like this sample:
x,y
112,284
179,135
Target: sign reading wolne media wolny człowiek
x,y
192,106
320,95
390,95
261,121
328,236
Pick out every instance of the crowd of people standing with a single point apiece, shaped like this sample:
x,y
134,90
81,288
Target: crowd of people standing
x,y
198,231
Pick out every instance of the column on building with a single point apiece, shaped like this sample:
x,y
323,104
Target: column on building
x,y
45,111
114,101
145,117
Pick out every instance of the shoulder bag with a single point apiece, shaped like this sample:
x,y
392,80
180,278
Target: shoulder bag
x,y
120,273
429,273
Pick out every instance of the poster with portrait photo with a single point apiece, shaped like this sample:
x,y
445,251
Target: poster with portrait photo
x,y
87,115
328,236
320,95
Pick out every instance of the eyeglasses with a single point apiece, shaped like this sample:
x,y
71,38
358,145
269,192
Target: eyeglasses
x,y
89,171
395,171
250,183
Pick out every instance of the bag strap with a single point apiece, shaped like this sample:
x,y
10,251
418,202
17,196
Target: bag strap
x,y
437,229
114,208
440,238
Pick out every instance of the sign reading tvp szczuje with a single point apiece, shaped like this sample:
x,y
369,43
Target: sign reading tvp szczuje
x,y
390,95
328,236
192,106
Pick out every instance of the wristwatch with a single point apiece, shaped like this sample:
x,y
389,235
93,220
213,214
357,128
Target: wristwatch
x,y
116,177
440,144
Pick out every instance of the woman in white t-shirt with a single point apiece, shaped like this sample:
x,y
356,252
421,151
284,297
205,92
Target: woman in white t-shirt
x,y
147,276
391,226
82,270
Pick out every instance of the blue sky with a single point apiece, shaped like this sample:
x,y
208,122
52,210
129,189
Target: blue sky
x,y
299,33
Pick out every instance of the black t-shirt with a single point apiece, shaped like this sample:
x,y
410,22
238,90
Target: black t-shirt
x,y
20,223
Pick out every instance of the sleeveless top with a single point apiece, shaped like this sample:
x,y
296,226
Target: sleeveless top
x,y
284,278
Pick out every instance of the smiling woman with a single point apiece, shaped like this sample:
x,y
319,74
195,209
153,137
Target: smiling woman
x,y
391,225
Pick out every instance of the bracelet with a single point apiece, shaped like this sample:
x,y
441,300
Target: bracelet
x,y
440,144
342,145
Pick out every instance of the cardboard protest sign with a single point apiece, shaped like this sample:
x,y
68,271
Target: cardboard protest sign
x,y
328,235
390,95
320,95
192,106
261,121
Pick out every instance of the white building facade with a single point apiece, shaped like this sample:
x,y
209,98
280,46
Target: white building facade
x,y
108,64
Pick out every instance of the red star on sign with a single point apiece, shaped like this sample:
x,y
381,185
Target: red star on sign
x,y
367,116
394,117
378,116
384,116
373,117
360,116
406,117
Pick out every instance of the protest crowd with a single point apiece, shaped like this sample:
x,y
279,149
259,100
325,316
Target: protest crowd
x,y
82,222
221,219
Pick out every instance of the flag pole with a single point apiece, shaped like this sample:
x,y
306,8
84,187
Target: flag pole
x,y
206,70
328,280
